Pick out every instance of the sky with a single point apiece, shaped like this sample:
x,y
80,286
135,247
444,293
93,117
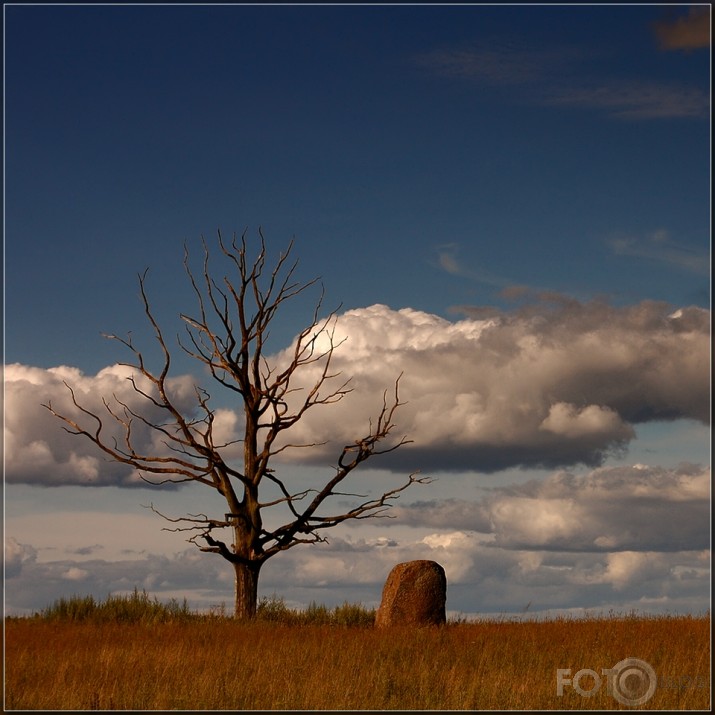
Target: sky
x,y
509,205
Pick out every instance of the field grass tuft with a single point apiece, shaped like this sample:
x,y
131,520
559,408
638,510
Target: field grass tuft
x,y
135,608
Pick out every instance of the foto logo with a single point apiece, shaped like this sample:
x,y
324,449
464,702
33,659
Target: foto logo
x,y
631,681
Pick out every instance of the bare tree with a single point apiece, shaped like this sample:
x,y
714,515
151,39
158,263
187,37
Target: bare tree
x,y
228,336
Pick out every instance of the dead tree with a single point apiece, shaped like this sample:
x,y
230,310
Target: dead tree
x,y
227,334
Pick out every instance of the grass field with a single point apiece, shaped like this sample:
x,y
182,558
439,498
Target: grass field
x,y
176,660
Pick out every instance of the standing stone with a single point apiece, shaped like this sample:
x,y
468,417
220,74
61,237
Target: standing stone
x,y
415,594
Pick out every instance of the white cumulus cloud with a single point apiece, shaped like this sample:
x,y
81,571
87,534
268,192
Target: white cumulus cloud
x,y
551,385
37,448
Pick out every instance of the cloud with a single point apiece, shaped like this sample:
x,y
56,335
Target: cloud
x,y
569,421
545,385
515,292
452,513
16,555
635,99
550,385
637,509
75,574
616,537
486,578
498,63
482,576
559,77
39,451
687,32
42,582
659,246
87,550
448,261
613,509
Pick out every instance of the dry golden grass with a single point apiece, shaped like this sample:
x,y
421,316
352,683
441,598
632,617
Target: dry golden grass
x,y
218,664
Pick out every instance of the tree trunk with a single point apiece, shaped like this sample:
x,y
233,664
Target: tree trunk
x,y
246,591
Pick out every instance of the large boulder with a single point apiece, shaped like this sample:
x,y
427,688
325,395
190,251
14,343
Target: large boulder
x,y
415,594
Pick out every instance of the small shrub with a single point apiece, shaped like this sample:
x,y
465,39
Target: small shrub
x,y
316,615
134,608
354,614
274,610
74,608
218,611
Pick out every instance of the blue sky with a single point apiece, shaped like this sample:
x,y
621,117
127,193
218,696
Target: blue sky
x,y
545,168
